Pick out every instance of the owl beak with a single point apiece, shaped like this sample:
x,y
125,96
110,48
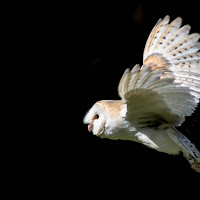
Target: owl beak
x,y
90,127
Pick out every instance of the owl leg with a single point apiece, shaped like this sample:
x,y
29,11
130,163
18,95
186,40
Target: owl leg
x,y
195,163
190,151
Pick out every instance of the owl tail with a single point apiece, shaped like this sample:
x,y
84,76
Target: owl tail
x,y
188,148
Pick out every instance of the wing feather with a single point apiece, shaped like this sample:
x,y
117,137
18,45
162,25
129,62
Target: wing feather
x,y
122,83
168,83
154,35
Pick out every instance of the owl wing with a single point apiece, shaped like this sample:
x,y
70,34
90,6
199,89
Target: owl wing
x,y
167,87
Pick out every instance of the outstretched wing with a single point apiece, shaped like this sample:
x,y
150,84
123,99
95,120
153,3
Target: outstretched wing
x,y
167,87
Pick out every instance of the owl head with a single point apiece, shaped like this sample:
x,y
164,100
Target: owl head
x,y
104,117
95,118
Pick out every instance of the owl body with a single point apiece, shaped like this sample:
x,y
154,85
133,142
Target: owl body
x,y
156,97
116,126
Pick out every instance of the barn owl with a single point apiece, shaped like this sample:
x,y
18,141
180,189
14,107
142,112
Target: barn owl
x,y
156,97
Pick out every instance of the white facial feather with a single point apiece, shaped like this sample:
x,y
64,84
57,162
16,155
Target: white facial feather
x,y
89,116
96,119
96,109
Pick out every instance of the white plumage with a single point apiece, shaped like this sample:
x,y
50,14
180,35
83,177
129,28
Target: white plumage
x,y
157,96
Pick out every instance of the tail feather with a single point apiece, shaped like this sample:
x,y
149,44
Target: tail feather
x,y
183,142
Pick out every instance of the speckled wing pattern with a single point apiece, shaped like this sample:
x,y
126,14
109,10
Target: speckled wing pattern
x,y
167,86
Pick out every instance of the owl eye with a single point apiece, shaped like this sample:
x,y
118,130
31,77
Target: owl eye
x,y
96,117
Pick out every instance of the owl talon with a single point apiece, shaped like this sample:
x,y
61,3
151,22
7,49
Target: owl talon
x,y
195,164
193,160
196,167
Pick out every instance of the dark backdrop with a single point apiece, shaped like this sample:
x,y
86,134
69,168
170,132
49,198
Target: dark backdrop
x,y
108,39
93,44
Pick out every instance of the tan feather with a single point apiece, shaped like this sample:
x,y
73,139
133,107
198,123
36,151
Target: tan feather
x,y
156,61
113,107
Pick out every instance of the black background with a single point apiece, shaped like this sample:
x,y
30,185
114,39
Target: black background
x,y
86,50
